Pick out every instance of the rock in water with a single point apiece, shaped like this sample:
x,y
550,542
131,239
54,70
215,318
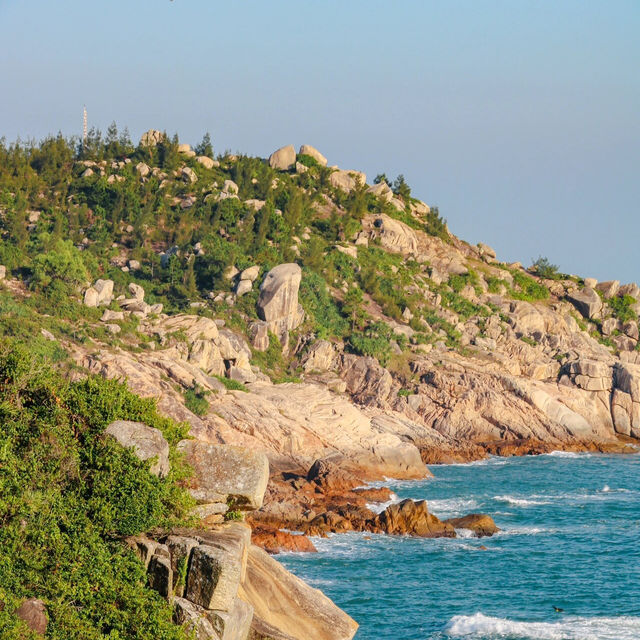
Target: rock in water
x,y
283,159
147,442
480,523
413,518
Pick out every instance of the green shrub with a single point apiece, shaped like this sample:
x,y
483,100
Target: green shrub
x,y
545,269
232,385
621,308
320,307
68,495
527,288
196,401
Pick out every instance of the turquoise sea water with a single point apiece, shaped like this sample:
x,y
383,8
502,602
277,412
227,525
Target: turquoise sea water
x,y
570,539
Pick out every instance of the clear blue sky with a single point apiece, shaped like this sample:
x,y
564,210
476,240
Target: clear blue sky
x,y
519,119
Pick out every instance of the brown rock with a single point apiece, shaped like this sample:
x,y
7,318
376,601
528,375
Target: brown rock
x,y
412,518
480,523
275,541
34,614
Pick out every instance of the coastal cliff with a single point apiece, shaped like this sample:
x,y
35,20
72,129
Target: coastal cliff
x,y
314,333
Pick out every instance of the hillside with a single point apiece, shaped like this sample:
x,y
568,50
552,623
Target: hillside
x,y
302,311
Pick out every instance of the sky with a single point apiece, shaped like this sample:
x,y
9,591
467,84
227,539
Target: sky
x,y
519,119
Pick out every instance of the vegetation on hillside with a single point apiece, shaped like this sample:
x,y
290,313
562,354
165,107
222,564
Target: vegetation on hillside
x,y
68,495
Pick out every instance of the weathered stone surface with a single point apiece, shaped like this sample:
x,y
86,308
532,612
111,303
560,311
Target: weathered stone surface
x,y
347,180
480,523
279,292
587,302
608,288
234,624
250,273
136,291
151,138
283,159
308,150
105,291
111,316
90,297
486,251
261,630
259,333
413,518
631,289
147,442
278,301
34,614
180,548
194,618
321,356
3,272
395,236
159,573
242,287
189,175
143,169
224,473
286,603
144,548
214,577
591,375
382,190
206,162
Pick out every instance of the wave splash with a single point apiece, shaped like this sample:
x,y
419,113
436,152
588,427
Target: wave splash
x,y
569,628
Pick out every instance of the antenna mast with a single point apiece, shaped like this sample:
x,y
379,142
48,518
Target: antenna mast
x,y
84,126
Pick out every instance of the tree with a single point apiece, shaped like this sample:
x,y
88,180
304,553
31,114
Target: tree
x,y
205,148
381,177
352,307
401,188
543,267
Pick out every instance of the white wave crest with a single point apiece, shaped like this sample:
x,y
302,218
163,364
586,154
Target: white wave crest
x,y
569,628
379,507
521,502
567,454
451,507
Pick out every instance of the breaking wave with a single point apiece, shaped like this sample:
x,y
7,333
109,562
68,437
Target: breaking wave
x,y
569,628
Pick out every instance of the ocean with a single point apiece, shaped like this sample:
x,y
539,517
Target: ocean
x,y
570,539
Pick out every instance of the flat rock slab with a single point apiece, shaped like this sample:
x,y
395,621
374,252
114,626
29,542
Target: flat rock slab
x,y
147,442
283,602
225,473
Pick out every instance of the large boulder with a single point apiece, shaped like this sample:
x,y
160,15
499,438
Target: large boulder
x,y
226,474
395,236
347,180
308,150
147,442
283,159
278,301
412,518
586,301
105,291
151,138
382,190
631,289
608,288
286,604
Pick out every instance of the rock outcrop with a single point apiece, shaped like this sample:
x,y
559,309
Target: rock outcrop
x,y
308,150
278,301
286,603
412,518
226,474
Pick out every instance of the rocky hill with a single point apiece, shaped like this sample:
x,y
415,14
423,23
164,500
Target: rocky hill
x,y
311,329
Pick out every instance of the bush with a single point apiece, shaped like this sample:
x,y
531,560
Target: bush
x,y
68,495
196,401
545,269
528,288
232,385
320,306
621,308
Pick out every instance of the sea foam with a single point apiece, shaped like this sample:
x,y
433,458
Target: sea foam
x,y
568,628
